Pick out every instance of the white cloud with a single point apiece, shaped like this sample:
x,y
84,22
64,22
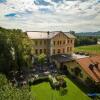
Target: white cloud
x,y
69,15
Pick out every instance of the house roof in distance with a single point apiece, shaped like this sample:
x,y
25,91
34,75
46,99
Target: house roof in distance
x,y
85,63
46,34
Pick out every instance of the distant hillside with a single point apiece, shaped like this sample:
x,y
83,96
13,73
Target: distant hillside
x,y
88,33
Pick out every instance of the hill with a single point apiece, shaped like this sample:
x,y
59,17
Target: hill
x,y
88,33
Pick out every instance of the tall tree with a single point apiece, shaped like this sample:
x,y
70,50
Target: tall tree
x,y
16,49
9,92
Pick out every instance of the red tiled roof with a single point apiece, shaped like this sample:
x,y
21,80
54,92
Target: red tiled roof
x,y
85,62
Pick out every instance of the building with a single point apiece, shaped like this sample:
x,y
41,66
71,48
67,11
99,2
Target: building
x,y
91,67
98,41
84,69
52,43
59,46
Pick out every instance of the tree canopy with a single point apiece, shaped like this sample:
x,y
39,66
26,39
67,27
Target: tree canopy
x,y
9,92
15,50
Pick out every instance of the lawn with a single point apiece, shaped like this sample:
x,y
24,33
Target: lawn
x,y
92,49
43,91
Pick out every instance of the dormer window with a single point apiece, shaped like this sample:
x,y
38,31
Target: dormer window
x,y
96,65
91,66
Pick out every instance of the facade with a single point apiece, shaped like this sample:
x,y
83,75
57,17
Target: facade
x,y
85,68
52,43
59,46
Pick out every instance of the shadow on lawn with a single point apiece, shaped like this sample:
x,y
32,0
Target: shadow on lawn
x,y
80,84
63,91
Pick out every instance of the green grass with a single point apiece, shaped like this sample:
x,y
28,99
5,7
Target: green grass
x,y
43,91
93,49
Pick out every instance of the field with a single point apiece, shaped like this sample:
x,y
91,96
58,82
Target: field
x,y
43,91
91,49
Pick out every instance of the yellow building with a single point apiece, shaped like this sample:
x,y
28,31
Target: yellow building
x,y
84,69
52,43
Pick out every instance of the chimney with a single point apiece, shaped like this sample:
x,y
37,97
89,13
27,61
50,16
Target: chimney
x,y
48,32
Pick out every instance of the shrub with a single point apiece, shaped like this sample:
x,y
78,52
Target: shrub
x,y
62,82
54,83
37,81
9,92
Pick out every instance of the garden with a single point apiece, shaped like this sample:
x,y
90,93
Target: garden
x,y
43,91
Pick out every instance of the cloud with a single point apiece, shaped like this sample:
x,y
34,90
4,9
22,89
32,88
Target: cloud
x,y
41,2
98,1
45,10
65,15
57,1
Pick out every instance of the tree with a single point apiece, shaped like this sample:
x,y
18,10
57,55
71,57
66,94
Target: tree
x,y
85,40
23,48
16,50
9,92
41,58
5,52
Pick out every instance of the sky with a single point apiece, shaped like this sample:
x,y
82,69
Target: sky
x,y
51,15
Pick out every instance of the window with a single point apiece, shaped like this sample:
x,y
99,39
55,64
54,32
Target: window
x,y
67,49
45,51
77,71
36,42
36,51
72,69
53,51
70,48
45,42
58,50
58,42
63,50
41,42
40,51
71,41
64,42
68,41
54,42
